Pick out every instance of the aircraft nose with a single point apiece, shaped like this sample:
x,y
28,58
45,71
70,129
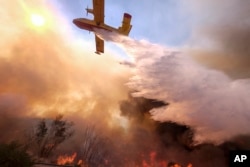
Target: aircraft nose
x,y
75,21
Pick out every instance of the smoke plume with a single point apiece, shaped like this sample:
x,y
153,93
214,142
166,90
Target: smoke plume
x,y
205,99
45,72
211,100
221,35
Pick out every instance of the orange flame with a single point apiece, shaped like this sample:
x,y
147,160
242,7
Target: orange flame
x,y
154,163
64,159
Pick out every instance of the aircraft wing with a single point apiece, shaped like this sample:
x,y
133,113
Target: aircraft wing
x,y
99,45
98,11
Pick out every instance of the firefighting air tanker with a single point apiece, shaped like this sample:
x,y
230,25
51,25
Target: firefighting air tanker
x,y
98,23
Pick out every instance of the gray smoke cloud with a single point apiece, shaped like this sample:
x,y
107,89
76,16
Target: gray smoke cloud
x,y
220,35
204,83
205,99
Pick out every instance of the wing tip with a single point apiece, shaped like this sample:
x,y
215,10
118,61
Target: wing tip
x,y
99,52
127,15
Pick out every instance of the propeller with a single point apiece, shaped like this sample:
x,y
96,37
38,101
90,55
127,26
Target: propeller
x,y
87,11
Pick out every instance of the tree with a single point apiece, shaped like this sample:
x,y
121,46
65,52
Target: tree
x,y
94,148
14,154
49,134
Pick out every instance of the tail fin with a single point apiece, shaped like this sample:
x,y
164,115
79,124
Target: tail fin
x,y
126,26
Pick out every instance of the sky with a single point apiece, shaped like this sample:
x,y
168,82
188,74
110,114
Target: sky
x,y
190,53
176,23
149,19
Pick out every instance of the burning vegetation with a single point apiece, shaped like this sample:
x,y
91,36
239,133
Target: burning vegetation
x,y
48,135
148,143
67,160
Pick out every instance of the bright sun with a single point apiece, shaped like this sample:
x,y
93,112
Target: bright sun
x,y
37,20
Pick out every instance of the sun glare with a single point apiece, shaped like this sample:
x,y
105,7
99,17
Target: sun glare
x,y
37,20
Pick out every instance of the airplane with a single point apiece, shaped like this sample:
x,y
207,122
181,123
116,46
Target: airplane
x,y
98,22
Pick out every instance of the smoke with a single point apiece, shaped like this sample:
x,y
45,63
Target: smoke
x,y
45,72
169,142
220,35
209,98
205,99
